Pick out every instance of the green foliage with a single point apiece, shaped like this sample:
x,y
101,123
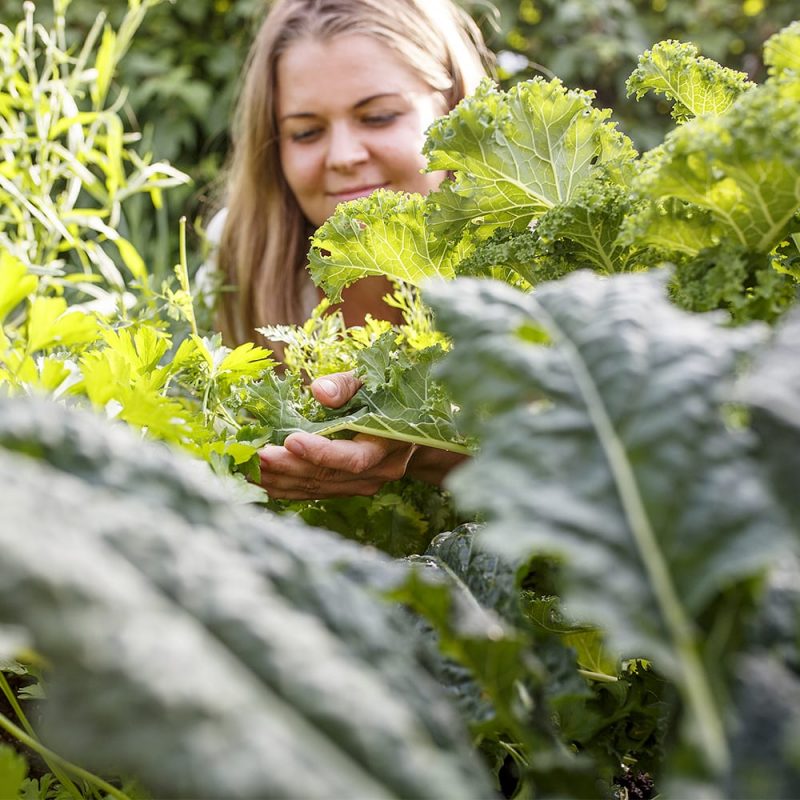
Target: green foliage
x,y
516,154
400,519
323,344
782,51
616,469
13,771
383,234
771,392
544,184
401,400
69,164
513,672
123,371
741,166
693,84
180,75
155,566
628,613
222,404
594,44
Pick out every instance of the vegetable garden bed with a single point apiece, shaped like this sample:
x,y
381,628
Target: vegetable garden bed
x,y
605,601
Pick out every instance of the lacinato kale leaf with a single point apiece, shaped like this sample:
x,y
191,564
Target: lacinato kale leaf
x,y
614,457
179,623
772,393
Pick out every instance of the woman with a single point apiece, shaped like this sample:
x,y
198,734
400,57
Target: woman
x,y
336,99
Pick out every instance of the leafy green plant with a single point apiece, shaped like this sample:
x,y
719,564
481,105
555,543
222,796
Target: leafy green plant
x,y
69,164
180,75
654,459
627,616
544,184
179,623
594,44
609,447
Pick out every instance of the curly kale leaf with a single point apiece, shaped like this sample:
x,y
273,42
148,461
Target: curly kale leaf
x,y
278,406
507,255
516,154
585,232
782,51
387,233
694,84
400,399
746,285
742,168
670,226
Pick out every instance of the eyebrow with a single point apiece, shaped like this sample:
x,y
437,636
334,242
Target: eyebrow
x,y
366,101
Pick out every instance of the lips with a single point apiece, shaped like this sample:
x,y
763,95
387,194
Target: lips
x,y
356,191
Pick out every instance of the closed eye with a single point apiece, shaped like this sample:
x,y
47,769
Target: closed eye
x,y
380,119
307,135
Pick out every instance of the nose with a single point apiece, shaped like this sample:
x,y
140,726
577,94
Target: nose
x,y
345,148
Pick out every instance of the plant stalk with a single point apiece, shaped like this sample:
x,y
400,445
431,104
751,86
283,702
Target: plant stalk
x,y
49,756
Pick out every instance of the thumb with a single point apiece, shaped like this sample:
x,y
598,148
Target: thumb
x,y
336,389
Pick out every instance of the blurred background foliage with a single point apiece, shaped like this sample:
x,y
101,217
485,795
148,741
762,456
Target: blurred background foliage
x,y
595,44
180,75
182,70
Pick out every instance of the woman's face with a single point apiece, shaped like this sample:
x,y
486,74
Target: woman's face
x,y
352,119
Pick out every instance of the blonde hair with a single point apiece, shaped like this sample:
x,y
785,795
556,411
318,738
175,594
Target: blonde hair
x,y
264,244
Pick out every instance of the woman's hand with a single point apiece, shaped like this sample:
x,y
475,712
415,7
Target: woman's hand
x,y
309,467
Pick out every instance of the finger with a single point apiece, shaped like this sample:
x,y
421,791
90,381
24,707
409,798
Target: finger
x,y
336,389
287,477
284,465
356,456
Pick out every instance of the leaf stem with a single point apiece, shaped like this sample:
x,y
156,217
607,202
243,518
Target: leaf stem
x,y
14,703
439,444
598,677
49,756
17,708
183,275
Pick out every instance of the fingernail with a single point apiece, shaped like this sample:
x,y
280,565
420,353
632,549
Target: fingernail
x,y
331,388
295,447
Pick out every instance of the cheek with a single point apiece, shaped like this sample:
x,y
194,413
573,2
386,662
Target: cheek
x,y
407,164
402,152
299,168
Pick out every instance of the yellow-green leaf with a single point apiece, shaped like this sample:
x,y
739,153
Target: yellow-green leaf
x,y
131,258
104,66
15,283
115,173
51,323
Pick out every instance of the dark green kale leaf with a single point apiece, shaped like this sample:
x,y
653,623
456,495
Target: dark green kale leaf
x,y
613,458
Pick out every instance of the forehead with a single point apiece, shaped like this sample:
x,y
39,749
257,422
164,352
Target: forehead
x,y
314,75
